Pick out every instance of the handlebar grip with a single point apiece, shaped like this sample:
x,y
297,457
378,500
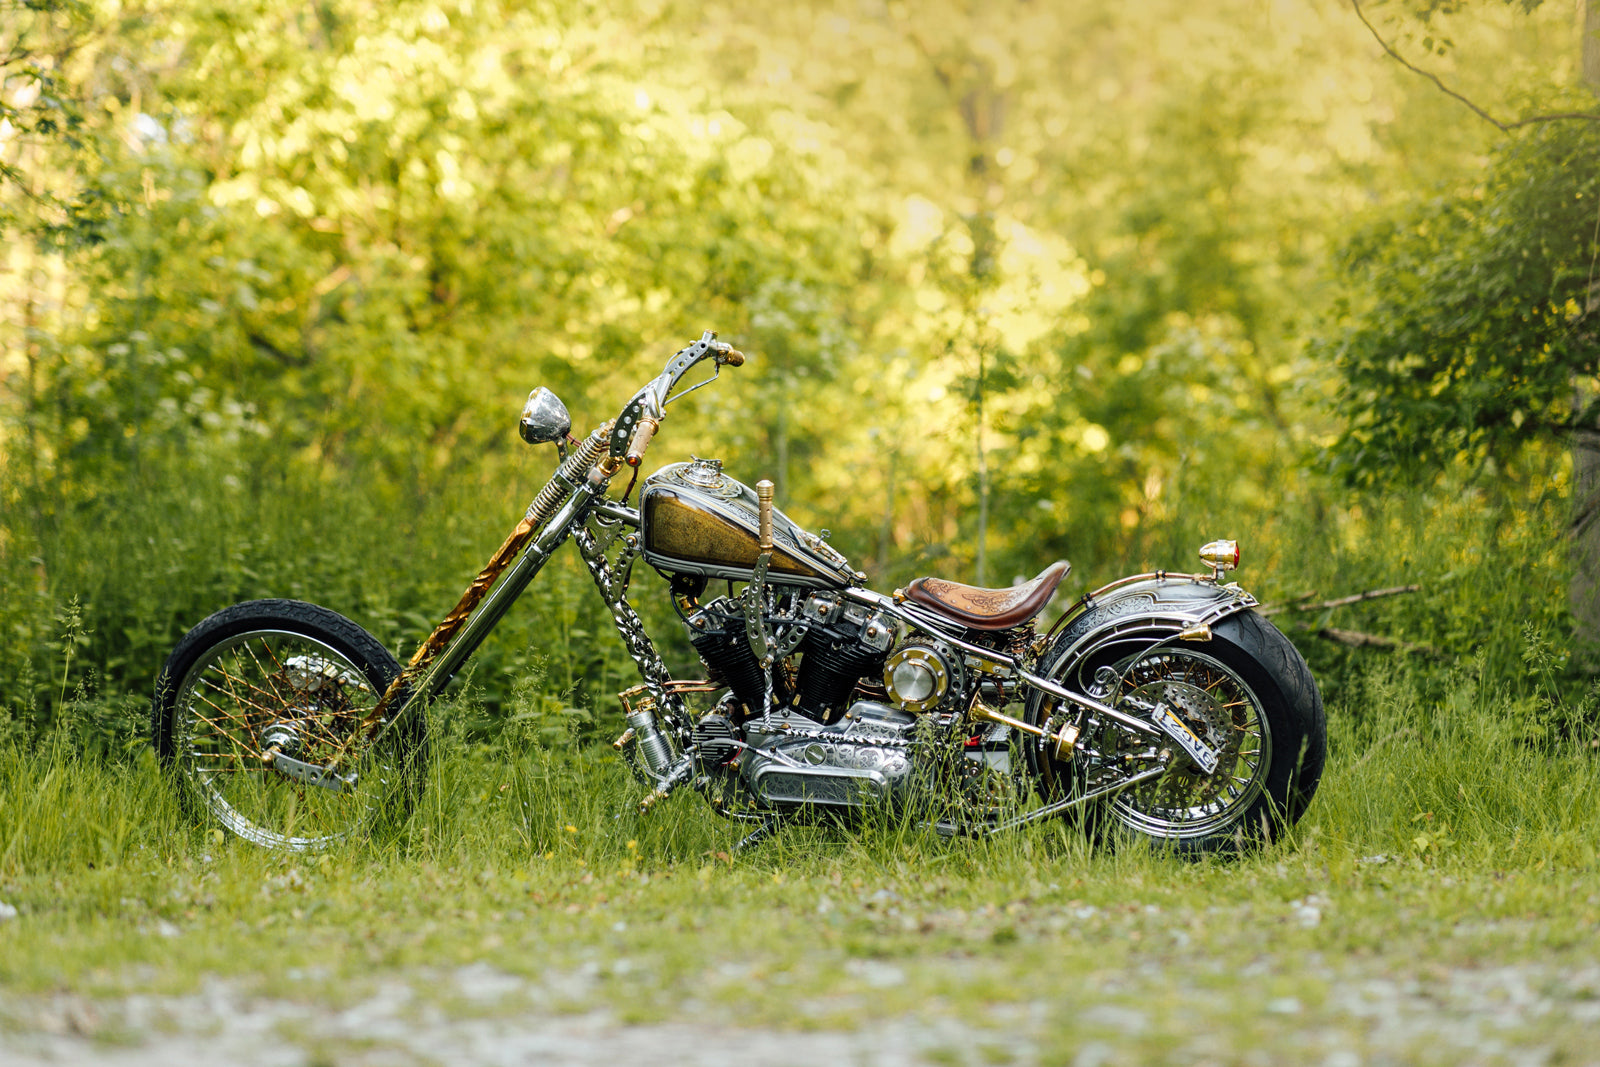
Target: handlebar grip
x,y
641,440
724,353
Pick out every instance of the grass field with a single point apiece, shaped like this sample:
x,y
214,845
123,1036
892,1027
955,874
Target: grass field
x,y
1439,904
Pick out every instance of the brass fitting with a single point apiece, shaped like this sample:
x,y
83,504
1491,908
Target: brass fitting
x,y
1066,739
764,512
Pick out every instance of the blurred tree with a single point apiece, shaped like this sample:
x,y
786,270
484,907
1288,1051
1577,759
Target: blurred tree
x,y
1472,336
38,106
367,229
1120,215
1477,328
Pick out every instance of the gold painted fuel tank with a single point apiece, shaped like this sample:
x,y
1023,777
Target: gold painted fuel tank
x,y
697,520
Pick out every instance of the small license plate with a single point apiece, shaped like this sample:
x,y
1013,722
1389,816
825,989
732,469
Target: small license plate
x,y
1202,754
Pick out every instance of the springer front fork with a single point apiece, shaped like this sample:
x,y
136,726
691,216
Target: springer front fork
x,y
658,720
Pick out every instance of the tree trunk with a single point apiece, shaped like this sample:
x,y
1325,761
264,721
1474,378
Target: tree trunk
x,y
886,533
1584,591
1583,595
983,485
1591,45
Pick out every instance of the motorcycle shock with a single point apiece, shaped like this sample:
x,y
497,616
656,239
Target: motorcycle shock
x,y
569,475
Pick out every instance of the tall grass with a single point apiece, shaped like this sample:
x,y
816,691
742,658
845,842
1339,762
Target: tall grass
x,y
94,596
1476,750
528,852
1456,778
1411,779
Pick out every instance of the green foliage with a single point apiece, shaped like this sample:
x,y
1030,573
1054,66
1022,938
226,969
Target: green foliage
x,y
182,538
368,232
38,104
1488,570
1032,277
1471,328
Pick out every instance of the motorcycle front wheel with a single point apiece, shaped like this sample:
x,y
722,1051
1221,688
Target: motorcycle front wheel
x,y
262,713
1247,693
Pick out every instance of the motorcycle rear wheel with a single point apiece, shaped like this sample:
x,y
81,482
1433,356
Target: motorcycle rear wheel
x,y
1249,694
270,677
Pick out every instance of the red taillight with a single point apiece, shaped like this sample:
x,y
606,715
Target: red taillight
x,y
1221,555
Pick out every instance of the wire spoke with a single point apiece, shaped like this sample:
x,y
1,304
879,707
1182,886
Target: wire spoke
x,y
269,695
268,677
309,700
1217,704
219,709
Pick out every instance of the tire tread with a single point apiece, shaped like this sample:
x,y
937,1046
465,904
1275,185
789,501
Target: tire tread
x,y
363,650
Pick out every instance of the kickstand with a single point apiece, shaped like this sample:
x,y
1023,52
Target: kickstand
x,y
758,835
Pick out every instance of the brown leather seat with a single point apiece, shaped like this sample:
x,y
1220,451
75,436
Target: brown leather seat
x,y
988,609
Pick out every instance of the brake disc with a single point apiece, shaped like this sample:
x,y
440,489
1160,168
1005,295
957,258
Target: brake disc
x,y
1211,721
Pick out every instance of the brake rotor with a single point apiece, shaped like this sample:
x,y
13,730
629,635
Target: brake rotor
x,y
1212,723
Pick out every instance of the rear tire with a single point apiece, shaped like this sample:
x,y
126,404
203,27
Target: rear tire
x,y
1247,692
283,676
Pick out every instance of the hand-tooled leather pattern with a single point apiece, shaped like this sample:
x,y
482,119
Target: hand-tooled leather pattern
x,y
989,609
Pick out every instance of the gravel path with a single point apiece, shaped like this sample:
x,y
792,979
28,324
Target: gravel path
x,y
1524,1015
395,1025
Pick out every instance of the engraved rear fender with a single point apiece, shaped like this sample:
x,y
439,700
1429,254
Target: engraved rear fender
x,y
1145,607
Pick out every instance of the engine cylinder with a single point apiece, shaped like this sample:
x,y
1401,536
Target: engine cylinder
x,y
831,665
719,635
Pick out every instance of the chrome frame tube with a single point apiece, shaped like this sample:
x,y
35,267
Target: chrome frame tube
x,y
1072,802
1044,685
610,509
499,599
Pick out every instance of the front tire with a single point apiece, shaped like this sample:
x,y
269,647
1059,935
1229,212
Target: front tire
x,y
271,677
1247,692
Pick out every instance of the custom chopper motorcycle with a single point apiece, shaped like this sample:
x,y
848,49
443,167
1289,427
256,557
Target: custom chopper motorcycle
x,y
1159,706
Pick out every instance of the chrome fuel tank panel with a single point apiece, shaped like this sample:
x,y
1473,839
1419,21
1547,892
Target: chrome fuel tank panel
x,y
697,520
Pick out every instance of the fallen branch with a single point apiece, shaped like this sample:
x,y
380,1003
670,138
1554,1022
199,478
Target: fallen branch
x,y
1357,639
1355,598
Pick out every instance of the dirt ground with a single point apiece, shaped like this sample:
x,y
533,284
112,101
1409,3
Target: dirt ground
x,y
1524,1015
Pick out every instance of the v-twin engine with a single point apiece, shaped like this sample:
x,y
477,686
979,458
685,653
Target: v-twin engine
x,y
863,759
838,645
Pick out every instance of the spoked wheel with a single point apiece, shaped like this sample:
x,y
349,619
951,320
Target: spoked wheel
x,y
1186,804
265,709
1247,694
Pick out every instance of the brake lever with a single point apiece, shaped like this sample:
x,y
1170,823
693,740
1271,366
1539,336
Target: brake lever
x,y
700,385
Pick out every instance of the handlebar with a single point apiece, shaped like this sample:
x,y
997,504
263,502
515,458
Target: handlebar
x,y
641,417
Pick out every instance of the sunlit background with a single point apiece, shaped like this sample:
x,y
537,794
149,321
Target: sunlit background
x,y
1018,281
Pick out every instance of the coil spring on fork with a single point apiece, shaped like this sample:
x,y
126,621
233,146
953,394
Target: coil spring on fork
x,y
568,476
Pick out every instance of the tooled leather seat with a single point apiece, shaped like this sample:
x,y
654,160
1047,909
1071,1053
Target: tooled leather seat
x,y
988,609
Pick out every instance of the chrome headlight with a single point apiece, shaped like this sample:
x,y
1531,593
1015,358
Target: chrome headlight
x,y
544,418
